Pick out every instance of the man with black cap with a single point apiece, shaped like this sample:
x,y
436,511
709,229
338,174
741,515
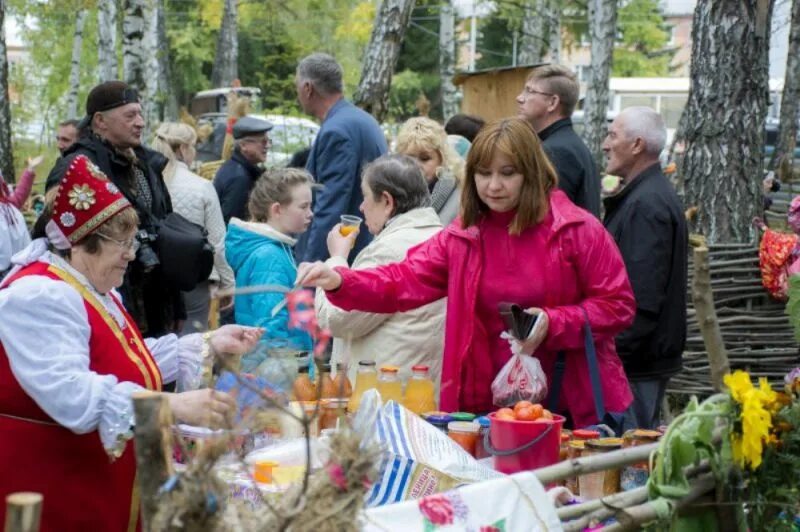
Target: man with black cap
x,y
235,178
111,137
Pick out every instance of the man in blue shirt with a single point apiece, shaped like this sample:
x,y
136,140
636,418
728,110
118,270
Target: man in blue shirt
x,y
348,140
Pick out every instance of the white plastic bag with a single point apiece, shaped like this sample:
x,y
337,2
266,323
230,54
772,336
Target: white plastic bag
x,y
521,379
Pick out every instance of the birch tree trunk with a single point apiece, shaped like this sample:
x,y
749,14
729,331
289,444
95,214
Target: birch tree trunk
x,y
133,44
167,96
6,157
107,65
532,35
447,59
75,65
724,116
151,98
380,57
787,132
225,68
602,30
554,22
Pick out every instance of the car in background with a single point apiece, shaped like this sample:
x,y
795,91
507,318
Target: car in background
x,y
216,100
289,135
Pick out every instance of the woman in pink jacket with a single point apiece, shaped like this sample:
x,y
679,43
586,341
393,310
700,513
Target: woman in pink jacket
x,y
520,240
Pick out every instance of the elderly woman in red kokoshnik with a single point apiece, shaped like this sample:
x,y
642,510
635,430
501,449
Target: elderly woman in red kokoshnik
x,y
71,356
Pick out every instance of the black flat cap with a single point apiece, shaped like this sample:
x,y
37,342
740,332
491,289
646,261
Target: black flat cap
x,y
110,95
250,125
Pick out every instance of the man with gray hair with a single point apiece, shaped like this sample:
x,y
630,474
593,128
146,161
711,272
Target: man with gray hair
x,y
646,219
348,139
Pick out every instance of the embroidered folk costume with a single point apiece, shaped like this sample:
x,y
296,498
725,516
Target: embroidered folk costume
x,y
70,358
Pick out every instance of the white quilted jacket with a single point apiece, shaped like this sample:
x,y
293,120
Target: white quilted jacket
x,y
195,199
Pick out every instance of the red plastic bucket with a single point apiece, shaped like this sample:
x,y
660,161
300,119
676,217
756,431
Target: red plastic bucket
x,y
523,445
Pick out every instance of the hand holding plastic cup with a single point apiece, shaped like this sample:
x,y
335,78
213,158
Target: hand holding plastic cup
x,y
350,224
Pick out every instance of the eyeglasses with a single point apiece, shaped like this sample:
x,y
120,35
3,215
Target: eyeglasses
x,y
528,92
125,245
266,140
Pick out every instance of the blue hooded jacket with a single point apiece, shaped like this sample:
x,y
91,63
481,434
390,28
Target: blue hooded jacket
x,y
259,254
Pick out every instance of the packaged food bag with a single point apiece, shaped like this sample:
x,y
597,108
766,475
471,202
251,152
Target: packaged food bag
x,y
418,458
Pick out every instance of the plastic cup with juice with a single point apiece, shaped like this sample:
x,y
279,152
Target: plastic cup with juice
x,y
350,224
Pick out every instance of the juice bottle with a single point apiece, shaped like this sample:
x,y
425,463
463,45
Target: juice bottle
x,y
303,389
419,396
389,385
366,379
341,383
326,387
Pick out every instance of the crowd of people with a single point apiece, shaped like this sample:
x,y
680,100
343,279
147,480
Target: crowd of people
x,y
458,219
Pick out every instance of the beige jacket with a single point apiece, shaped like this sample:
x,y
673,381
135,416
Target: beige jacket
x,y
402,339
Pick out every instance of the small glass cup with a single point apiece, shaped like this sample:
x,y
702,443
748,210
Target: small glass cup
x,y
350,224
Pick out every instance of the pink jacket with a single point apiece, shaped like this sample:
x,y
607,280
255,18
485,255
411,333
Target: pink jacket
x,y
21,192
582,266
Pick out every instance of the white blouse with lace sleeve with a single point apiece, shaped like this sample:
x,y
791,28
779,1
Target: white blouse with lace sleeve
x,y
45,332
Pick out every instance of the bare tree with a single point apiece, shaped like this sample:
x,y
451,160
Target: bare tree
x,y
447,58
602,30
133,45
787,132
380,57
75,64
723,122
6,156
532,35
107,65
225,68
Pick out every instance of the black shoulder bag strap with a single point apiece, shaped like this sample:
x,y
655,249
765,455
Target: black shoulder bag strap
x,y
594,373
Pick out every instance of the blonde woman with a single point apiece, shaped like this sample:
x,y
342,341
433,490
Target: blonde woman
x,y
426,141
195,199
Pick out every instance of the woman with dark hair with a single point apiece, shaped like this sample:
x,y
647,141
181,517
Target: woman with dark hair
x,y
519,240
398,214
71,357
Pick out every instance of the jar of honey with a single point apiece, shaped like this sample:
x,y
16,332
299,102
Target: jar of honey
x,y
303,388
600,483
465,434
574,451
331,410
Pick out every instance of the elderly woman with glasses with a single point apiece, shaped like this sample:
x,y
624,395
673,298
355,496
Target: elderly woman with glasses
x,y
71,357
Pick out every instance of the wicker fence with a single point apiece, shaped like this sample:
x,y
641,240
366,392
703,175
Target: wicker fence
x,y
756,331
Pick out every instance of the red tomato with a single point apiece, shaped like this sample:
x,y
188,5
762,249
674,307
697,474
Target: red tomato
x,y
522,404
526,413
506,414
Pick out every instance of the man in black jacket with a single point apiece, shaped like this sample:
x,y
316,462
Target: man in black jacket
x,y
112,139
647,221
237,176
547,101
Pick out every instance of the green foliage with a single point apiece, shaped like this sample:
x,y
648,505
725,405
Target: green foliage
x,y
642,50
793,304
773,489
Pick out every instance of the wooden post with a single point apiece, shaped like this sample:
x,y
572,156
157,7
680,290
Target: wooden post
x,y
153,445
703,299
23,511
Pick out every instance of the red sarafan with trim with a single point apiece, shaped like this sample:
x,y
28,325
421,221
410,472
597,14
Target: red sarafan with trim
x,y
83,488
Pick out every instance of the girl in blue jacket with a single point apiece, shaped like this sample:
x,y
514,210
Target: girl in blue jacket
x,y
260,252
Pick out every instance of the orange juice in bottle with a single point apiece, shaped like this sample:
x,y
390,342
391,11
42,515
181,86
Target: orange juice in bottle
x,y
366,379
325,387
389,385
341,383
419,396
